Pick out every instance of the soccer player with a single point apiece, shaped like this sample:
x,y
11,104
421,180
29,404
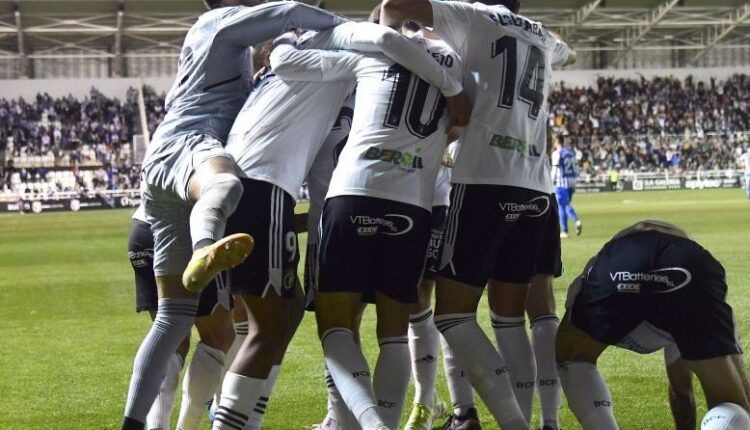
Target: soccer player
x,y
565,174
214,327
378,204
650,286
500,198
275,139
745,161
190,183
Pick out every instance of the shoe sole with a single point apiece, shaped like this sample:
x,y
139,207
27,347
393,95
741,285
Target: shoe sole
x,y
579,230
229,252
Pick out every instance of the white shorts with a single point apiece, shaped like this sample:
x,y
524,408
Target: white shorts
x,y
165,196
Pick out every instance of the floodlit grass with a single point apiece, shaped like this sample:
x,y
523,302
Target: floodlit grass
x,y
68,331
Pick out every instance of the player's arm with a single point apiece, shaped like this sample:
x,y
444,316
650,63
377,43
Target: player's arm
x,y
451,20
562,54
681,397
248,26
293,64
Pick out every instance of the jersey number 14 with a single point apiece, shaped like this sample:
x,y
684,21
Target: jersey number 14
x,y
532,84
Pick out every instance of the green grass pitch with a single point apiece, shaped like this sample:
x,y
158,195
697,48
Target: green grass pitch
x,y
68,330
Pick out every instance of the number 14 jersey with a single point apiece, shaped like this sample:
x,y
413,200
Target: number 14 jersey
x,y
398,138
507,62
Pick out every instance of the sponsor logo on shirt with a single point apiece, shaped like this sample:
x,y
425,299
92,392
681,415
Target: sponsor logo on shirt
x,y
404,160
659,281
390,225
534,208
513,144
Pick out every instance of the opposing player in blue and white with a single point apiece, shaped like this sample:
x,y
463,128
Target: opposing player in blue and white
x,y
190,184
565,175
745,163
275,139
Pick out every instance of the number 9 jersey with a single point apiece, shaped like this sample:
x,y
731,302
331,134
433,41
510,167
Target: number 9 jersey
x,y
398,134
507,61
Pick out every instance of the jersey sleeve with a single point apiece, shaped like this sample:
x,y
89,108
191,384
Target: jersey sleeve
x,y
246,26
559,50
452,22
370,37
293,64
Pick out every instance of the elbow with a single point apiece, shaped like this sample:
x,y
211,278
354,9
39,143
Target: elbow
x,y
387,38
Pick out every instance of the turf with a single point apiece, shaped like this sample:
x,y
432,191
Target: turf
x,y
68,331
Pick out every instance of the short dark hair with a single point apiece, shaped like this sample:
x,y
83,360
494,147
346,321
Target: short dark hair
x,y
375,14
513,5
212,4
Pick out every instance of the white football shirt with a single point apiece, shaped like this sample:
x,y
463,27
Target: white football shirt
x,y
397,140
508,60
322,168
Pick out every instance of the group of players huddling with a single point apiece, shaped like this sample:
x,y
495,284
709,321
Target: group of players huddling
x,y
364,112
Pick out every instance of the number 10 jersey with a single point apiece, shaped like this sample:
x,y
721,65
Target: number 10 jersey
x,y
398,134
507,62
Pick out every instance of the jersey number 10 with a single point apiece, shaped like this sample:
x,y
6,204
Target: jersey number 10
x,y
403,81
532,84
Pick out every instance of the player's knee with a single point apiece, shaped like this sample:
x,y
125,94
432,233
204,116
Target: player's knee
x,y
225,189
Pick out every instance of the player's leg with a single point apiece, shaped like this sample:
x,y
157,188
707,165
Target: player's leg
x,y
587,394
216,190
469,249
240,324
722,380
268,283
540,307
141,255
571,211
206,368
464,414
177,307
561,194
681,397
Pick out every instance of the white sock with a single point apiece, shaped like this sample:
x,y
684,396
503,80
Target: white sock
x,y
391,378
486,367
240,334
339,415
424,348
588,396
351,374
239,395
160,415
219,198
543,332
459,386
199,385
174,319
514,343
259,412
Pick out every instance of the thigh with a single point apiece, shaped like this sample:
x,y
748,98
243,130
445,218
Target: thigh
x,y
141,255
401,252
347,259
265,212
470,240
169,217
522,229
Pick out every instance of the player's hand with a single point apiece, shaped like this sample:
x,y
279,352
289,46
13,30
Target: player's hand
x,y
454,133
460,110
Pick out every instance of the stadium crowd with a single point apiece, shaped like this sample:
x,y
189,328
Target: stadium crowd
x,y
628,124
662,123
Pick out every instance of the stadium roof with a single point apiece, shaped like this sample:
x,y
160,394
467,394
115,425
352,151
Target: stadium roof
x,y
31,29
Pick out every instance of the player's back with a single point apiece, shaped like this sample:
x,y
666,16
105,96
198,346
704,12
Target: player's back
x,y
282,126
507,61
398,132
212,80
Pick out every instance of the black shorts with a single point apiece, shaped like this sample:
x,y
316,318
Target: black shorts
x,y
437,231
266,212
651,285
141,255
549,258
311,275
493,232
370,244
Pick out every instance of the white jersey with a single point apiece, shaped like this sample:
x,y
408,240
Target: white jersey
x,y
398,137
322,168
213,72
745,160
283,124
140,214
443,182
508,60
